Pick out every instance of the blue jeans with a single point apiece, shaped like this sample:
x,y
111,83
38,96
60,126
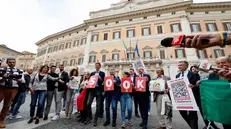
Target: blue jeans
x,y
20,101
126,101
111,100
149,105
40,95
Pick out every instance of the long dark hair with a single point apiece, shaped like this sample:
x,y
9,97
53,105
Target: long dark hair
x,y
41,68
72,72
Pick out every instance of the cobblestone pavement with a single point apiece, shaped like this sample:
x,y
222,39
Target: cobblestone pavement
x,y
178,122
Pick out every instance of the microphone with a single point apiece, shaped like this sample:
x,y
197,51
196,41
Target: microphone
x,y
179,41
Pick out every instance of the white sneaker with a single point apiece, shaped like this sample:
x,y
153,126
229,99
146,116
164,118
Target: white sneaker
x,y
15,117
18,117
56,117
149,113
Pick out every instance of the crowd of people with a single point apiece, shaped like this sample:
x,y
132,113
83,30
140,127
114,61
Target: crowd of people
x,y
46,84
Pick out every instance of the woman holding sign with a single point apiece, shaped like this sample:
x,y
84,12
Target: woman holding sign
x,y
72,85
126,99
83,113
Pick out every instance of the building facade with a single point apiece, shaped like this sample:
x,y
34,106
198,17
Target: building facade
x,y
146,22
6,52
25,60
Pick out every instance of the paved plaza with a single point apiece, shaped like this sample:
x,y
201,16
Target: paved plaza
x,y
178,122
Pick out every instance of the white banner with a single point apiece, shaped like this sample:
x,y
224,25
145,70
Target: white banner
x,y
139,64
181,95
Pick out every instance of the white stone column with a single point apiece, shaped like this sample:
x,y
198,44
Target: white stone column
x,y
45,58
87,50
120,71
185,25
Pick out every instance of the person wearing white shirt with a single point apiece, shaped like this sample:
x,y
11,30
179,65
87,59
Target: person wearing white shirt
x,y
165,121
72,85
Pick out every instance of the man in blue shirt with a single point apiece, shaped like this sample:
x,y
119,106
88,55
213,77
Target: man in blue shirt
x,y
112,99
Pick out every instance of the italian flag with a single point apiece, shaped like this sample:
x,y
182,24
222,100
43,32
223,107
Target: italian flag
x,y
125,50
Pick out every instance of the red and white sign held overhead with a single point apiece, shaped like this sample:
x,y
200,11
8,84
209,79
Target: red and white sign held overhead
x,y
92,82
109,83
140,84
126,85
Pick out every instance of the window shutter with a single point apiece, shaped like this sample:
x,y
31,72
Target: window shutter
x,y
197,51
215,25
222,52
151,54
97,37
92,37
89,59
94,59
215,53
199,26
205,52
118,56
119,34
191,27
207,26
144,55
113,35
184,54
176,53
112,56
127,33
142,31
179,25
149,31
224,25
171,26
134,34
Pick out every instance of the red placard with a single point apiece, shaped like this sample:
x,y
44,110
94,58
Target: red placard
x,y
92,82
141,84
126,85
109,83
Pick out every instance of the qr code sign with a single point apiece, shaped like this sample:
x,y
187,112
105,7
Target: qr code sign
x,y
180,91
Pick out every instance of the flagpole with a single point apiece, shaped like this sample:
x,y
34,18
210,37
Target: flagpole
x,y
130,50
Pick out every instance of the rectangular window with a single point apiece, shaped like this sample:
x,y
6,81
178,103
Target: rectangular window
x,y
92,59
130,33
176,27
103,58
65,63
219,53
146,31
159,29
57,64
83,41
131,55
76,43
72,62
105,36
94,38
115,56
195,27
80,61
211,27
201,54
116,35
162,54
180,53
147,54
68,45
61,47
227,26
49,50
55,49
